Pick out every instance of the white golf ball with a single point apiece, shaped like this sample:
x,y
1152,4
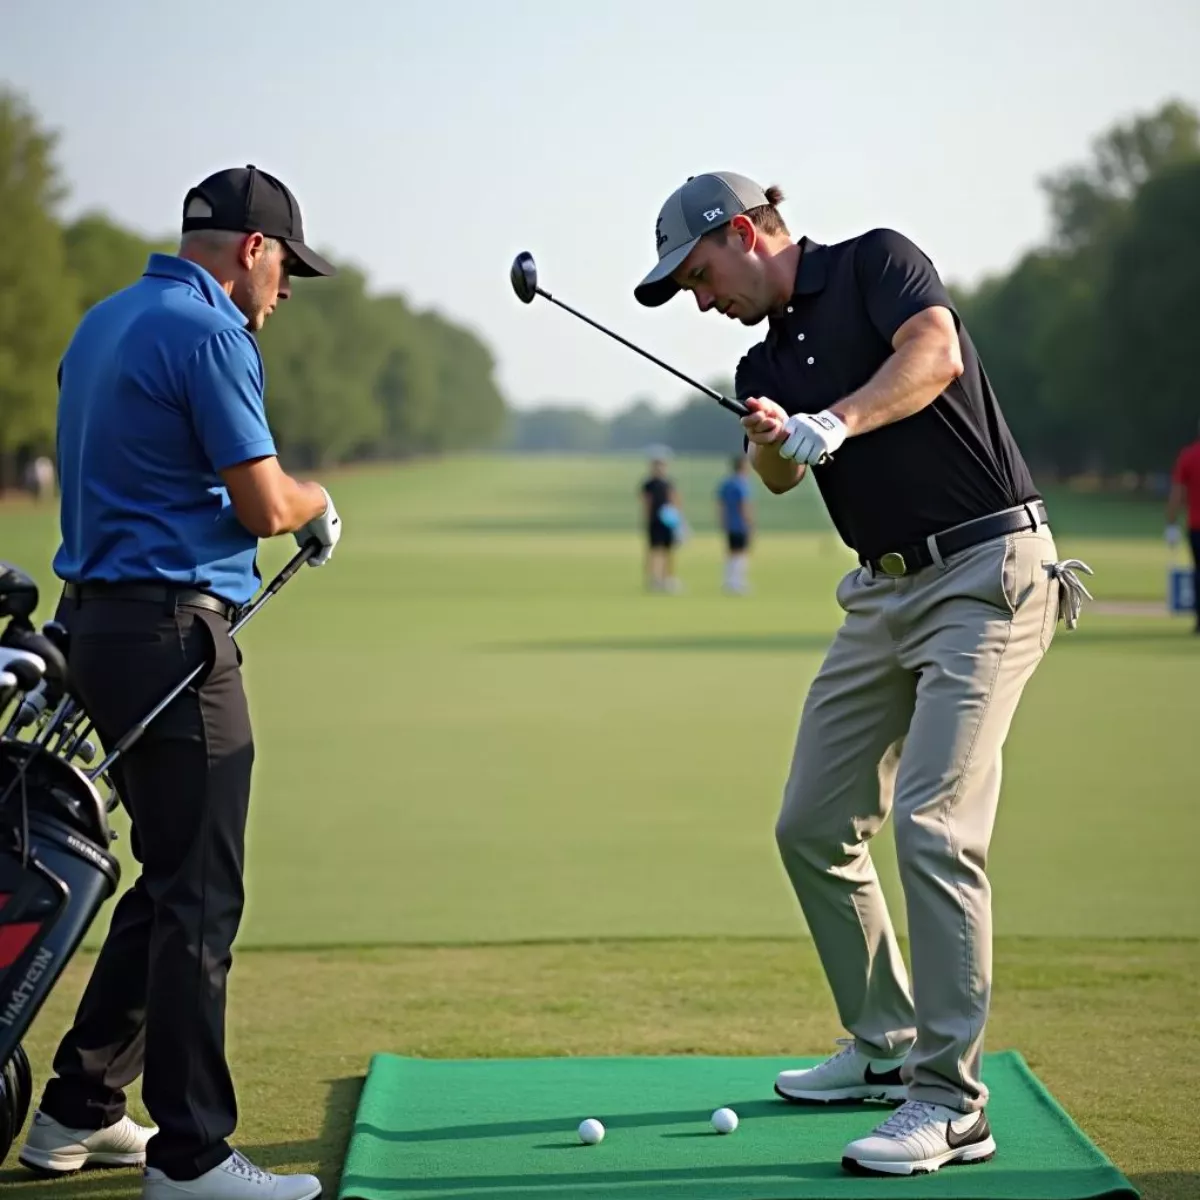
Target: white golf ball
x,y
724,1120
591,1131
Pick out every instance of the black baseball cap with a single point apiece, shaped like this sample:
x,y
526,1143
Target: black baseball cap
x,y
247,200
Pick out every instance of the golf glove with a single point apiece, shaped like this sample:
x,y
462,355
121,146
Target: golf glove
x,y
1173,536
326,528
812,437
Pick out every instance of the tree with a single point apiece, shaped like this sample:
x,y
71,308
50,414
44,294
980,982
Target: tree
x,y
37,296
636,426
557,427
1149,315
104,257
1088,202
702,426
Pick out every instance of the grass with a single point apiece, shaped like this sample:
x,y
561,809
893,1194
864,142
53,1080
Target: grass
x,y
1109,1026
474,728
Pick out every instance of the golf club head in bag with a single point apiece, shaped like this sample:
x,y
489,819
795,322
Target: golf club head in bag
x,y
18,594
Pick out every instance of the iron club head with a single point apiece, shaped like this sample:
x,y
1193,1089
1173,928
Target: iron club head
x,y
524,277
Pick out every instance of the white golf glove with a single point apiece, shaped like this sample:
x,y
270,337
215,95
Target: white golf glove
x,y
326,528
1173,535
811,437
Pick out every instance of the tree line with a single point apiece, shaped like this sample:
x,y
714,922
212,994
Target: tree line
x,y
350,375
1089,340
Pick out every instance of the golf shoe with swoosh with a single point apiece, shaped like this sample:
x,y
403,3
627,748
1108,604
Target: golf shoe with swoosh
x,y
919,1138
237,1178
847,1077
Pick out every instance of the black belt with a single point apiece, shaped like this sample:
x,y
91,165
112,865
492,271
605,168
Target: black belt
x,y
169,596
907,559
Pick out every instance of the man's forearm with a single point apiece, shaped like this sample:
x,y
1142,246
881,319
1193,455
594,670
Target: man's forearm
x,y
909,380
302,502
779,474
1174,503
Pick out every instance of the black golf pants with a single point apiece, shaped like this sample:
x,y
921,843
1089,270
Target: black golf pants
x,y
155,1003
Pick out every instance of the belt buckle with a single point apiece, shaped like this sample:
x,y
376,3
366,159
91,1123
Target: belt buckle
x,y
892,563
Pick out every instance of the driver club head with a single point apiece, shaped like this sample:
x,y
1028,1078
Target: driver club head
x,y
524,277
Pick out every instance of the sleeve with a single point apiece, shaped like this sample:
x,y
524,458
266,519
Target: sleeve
x,y
1181,473
747,381
224,382
897,280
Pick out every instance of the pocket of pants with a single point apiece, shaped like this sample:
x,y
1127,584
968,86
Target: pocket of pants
x,y
846,588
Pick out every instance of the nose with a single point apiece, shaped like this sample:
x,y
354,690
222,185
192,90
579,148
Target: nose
x,y
705,301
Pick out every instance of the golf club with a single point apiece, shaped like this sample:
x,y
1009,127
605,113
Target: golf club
x,y
525,284
307,551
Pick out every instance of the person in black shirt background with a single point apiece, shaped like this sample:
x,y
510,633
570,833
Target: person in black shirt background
x,y
868,379
662,517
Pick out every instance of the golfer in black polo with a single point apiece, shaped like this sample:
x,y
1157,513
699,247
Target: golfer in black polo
x,y
868,379
169,477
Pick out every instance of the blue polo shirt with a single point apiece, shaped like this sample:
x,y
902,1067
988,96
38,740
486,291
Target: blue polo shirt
x,y
733,493
160,389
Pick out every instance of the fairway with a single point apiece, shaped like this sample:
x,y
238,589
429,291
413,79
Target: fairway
x,y
474,726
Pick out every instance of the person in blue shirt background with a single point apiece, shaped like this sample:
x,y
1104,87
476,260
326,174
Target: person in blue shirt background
x,y
736,517
169,477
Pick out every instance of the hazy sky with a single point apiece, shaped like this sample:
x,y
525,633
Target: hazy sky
x,y
429,143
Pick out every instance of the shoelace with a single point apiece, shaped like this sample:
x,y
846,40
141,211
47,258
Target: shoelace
x,y
246,1169
910,1115
847,1047
1071,592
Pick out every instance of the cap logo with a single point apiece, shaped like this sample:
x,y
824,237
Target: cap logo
x,y
712,214
659,236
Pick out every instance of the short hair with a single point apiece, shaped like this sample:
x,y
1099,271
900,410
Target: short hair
x,y
215,239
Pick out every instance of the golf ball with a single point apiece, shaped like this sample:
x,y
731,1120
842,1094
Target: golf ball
x,y
724,1120
591,1131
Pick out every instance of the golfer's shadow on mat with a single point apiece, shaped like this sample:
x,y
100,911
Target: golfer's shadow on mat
x,y
747,1110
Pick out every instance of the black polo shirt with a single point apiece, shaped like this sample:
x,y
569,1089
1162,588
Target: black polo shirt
x,y
953,461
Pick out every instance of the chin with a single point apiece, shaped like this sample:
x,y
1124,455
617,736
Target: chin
x,y
752,319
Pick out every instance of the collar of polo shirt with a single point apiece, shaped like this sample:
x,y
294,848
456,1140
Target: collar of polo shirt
x,y
814,264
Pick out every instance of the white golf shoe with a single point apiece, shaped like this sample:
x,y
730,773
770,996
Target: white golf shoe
x,y
237,1178
847,1076
53,1149
919,1138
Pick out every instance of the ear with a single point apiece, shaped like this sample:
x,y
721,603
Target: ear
x,y
742,230
251,250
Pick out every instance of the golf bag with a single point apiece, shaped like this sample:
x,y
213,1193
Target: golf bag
x,y
55,866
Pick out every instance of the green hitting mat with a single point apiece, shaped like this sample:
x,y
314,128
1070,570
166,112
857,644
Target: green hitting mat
x,y
473,1129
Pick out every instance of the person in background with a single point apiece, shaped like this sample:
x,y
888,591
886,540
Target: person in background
x,y
1185,496
735,516
660,510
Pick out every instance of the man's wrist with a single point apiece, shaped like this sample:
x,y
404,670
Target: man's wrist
x,y
844,410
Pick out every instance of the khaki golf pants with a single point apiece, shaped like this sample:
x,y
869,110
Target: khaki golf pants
x,y
907,717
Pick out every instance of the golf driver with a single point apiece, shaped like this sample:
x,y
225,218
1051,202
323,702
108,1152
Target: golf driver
x,y
525,284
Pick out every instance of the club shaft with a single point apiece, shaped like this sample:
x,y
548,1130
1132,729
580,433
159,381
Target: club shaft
x,y
735,406
298,560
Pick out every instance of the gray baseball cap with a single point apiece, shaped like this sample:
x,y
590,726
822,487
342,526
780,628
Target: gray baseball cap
x,y
704,203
